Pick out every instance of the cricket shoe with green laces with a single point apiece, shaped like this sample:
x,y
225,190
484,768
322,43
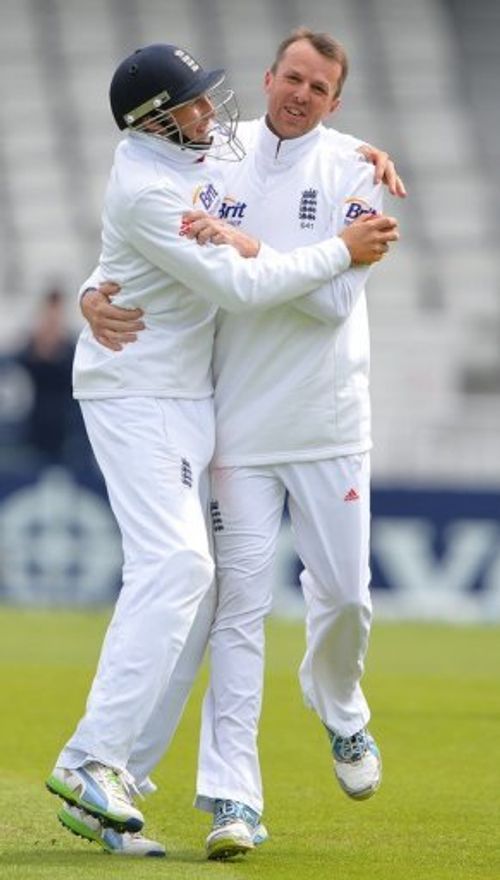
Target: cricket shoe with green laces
x,y
84,825
357,763
101,791
236,830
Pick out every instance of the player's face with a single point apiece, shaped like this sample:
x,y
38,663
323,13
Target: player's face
x,y
195,119
301,92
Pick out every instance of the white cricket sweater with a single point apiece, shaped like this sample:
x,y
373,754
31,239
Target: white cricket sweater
x,y
292,386
176,282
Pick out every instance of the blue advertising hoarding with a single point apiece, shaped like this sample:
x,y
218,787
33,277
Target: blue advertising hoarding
x,y
435,552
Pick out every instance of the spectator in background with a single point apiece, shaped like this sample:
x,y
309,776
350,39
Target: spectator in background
x,y
54,430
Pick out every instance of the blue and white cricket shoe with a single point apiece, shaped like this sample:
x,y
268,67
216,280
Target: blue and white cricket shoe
x,y
84,825
236,830
260,834
357,763
99,790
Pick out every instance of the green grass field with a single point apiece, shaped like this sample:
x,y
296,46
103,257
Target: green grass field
x,y
435,696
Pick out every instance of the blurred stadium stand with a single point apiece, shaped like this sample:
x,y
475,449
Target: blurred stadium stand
x,y
423,84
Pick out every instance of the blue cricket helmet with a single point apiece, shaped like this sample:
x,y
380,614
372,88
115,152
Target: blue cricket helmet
x,y
160,76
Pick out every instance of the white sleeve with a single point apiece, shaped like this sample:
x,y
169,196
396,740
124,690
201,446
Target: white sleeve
x,y
217,272
334,302
92,282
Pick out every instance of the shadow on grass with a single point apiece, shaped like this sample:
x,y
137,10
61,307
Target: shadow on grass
x,y
58,859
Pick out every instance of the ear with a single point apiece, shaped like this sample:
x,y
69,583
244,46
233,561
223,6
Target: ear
x,y
335,105
268,78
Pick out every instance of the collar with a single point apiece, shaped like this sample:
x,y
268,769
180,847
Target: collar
x,y
170,153
279,152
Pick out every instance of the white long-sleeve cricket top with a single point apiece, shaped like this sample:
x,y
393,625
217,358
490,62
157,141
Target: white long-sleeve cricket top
x,y
292,383
177,283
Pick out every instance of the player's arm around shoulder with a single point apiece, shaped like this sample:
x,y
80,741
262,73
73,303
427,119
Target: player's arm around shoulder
x,y
168,233
218,273
383,166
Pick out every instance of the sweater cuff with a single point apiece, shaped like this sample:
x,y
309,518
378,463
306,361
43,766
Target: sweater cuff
x,y
346,253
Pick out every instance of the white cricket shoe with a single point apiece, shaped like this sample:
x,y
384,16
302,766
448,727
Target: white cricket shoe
x,y
84,825
236,830
101,791
357,763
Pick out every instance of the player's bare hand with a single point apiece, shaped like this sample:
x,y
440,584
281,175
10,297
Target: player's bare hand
x,y
368,238
109,289
385,169
111,325
204,228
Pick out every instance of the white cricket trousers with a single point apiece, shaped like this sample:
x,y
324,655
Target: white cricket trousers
x,y
154,454
329,506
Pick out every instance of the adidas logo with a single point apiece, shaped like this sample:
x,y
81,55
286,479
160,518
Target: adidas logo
x,y
217,524
186,473
351,495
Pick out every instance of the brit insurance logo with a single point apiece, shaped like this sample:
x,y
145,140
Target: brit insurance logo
x,y
355,208
232,211
308,206
207,195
